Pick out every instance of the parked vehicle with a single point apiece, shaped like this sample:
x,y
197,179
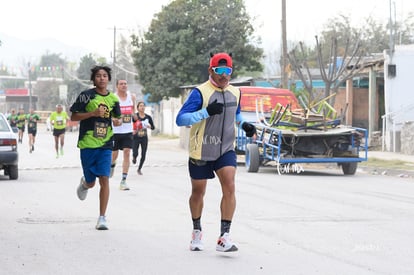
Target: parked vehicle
x,y
9,156
288,133
268,97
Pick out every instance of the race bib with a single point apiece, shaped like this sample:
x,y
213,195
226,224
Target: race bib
x,y
141,133
126,118
31,125
59,122
100,130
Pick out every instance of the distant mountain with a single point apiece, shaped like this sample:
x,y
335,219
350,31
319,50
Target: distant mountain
x,y
15,52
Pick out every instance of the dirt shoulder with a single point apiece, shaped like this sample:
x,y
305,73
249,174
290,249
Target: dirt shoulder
x,y
392,167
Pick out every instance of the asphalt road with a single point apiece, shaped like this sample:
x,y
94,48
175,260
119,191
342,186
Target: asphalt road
x,y
315,222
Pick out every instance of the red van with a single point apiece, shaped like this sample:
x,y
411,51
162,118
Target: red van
x,y
269,97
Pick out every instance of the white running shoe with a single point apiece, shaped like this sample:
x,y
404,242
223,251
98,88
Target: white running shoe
x,y
123,185
82,191
224,244
196,244
101,224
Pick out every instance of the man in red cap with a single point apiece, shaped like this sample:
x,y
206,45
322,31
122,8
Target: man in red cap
x,y
211,110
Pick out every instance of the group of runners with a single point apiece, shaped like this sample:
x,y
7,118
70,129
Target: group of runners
x,y
58,120
131,133
211,110
129,136
110,122
20,119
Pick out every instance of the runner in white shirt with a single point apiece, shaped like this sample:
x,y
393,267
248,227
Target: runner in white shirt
x,y
123,133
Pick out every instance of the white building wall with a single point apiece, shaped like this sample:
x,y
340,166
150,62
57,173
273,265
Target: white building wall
x,y
168,112
398,94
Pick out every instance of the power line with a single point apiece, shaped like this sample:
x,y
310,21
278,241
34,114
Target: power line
x,y
125,70
80,81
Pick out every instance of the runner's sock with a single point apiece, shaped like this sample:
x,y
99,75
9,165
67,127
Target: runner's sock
x,y
197,223
225,227
124,176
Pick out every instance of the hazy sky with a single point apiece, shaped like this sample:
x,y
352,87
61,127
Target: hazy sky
x,y
89,23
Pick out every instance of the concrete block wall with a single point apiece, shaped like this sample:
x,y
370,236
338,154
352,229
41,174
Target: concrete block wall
x,y
407,138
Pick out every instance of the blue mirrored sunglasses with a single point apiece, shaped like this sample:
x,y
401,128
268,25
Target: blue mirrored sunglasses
x,y
222,70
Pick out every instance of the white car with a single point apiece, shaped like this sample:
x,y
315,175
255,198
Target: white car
x,y
9,156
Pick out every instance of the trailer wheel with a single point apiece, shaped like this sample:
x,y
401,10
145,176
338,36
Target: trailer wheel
x,y
252,158
349,168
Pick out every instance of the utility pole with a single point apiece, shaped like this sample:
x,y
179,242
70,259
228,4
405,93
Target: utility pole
x,y
391,31
284,47
30,87
114,63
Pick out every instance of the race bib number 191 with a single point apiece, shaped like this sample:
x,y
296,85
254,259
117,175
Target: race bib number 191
x,y
100,130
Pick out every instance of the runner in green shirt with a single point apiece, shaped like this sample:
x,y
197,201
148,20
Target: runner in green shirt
x,y
58,120
21,123
32,120
12,118
97,109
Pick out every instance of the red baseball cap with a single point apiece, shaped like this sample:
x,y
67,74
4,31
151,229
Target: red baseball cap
x,y
221,59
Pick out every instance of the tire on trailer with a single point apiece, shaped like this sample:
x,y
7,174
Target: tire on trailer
x,y
349,168
252,158
13,172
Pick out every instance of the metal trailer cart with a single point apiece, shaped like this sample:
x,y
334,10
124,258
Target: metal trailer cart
x,y
341,144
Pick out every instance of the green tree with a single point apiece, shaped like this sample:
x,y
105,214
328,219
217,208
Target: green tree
x,y
47,89
47,92
54,64
87,62
79,80
10,83
175,51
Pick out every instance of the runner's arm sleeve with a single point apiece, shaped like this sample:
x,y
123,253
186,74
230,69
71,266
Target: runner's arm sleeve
x,y
151,122
191,111
239,116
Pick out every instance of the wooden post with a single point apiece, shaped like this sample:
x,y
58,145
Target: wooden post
x,y
372,103
349,99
